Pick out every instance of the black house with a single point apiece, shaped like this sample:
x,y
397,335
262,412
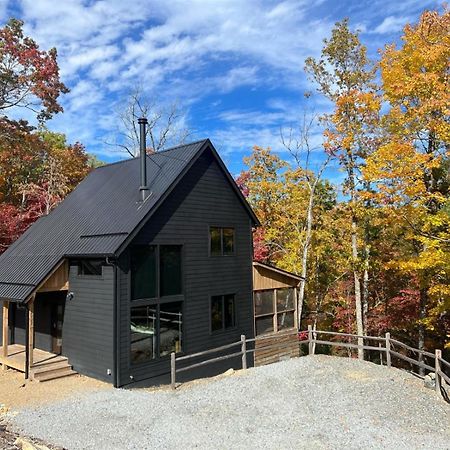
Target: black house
x,y
145,257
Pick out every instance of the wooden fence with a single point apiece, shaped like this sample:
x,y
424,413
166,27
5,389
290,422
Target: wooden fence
x,y
387,346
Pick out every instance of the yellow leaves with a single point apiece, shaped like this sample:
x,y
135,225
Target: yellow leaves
x,y
415,77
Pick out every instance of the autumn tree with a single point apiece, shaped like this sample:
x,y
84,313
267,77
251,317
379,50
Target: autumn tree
x,y
37,167
345,76
262,185
411,168
29,77
280,193
298,143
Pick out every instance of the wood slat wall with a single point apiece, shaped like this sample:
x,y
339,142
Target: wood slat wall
x,y
58,281
288,348
264,278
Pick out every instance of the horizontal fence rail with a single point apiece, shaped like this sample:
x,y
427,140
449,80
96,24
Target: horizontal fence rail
x,y
386,346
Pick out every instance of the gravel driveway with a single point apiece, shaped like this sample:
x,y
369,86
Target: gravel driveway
x,y
313,402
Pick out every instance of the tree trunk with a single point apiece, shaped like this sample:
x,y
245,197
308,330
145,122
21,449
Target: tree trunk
x,y
365,286
358,305
309,219
422,315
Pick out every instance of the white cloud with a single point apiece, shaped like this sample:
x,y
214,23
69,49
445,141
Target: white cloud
x,y
187,51
391,24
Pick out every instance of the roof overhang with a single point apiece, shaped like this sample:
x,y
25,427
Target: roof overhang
x,y
278,270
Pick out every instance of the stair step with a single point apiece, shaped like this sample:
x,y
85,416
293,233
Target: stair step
x,y
50,361
55,374
49,367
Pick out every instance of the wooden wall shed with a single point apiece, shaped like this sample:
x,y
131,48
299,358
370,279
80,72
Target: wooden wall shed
x,y
275,312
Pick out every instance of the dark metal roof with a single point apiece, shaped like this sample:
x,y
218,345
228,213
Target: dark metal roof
x,y
97,218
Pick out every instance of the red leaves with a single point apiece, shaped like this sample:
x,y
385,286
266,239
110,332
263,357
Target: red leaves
x,y
29,76
12,225
37,170
400,312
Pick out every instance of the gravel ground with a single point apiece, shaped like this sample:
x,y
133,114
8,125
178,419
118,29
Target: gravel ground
x,y
314,402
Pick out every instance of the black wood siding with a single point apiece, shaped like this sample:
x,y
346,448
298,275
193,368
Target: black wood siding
x,y
202,198
88,324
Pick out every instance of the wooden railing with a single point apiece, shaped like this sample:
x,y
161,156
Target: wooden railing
x,y
386,346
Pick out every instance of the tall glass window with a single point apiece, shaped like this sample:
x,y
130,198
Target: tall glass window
x,y
143,272
170,270
170,328
143,333
156,331
145,267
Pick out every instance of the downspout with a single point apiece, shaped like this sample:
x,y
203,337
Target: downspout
x,y
116,320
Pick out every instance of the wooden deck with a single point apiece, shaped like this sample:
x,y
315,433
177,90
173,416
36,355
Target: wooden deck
x,y
16,357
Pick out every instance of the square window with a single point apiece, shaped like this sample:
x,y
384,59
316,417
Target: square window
x,y
285,320
221,241
285,299
264,325
222,312
264,302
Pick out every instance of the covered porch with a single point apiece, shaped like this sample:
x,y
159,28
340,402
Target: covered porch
x,y
16,358
23,356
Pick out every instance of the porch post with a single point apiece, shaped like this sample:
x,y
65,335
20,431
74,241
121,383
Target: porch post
x,y
5,331
30,342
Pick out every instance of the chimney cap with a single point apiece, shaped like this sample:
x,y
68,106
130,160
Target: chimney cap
x,y
142,120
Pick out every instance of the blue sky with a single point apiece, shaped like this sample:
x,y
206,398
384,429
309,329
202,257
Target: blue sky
x,y
235,68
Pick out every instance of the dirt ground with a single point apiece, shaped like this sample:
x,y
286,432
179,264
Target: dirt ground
x,y
16,393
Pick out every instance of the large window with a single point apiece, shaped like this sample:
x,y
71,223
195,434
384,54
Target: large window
x,y
222,312
156,331
274,310
221,241
143,272
156,271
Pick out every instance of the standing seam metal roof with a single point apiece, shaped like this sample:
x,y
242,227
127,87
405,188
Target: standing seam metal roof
x,y
95,219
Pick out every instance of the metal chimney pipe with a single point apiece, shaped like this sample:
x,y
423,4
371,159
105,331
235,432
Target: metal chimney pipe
x,y
142,121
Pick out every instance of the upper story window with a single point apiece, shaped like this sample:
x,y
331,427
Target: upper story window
x,y
91,267
221,241
156,271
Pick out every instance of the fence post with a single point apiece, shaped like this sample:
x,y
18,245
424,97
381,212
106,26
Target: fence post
x,y
310,341
437,370
388,350
172,370
244,351
381,353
